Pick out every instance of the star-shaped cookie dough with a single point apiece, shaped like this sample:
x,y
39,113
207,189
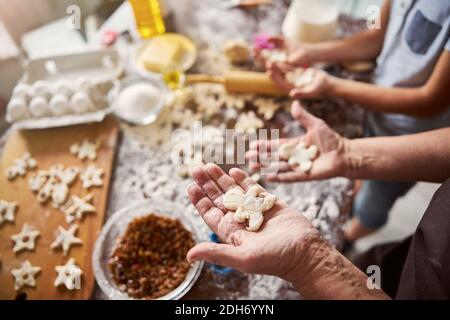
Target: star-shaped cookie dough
x,y
66,238
25,240
85,150
69,275
25,275
7,211
77,207
92,177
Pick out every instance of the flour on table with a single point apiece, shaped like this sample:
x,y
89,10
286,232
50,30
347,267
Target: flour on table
x,y
69,275
25,239
250,205
7,211
66,238
25,275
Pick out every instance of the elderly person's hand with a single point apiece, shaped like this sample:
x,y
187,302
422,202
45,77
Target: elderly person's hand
x,y
330,162
278,248
287,245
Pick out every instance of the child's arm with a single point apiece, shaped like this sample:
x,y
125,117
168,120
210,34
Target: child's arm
x,y
424,101
365,45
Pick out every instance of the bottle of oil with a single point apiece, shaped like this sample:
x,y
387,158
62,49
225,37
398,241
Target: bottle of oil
x,y
149,20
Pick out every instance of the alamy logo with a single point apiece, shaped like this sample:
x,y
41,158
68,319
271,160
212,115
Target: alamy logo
x,y
74,20
374,277
373,17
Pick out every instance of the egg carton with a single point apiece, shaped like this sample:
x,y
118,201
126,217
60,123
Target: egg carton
x,y
64,81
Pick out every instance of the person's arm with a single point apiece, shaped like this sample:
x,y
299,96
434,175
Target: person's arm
x,y
329,275
419,157
286,245
424,101
365,45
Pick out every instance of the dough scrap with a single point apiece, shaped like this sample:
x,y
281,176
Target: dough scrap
x,y
25,275
92,177
7,211
25,239
300,77
77,207
299,155
274,55
69,275
250,205
85,149
53,184
21,166
66,238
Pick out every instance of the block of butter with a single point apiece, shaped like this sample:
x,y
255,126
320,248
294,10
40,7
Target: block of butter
x,y
161,53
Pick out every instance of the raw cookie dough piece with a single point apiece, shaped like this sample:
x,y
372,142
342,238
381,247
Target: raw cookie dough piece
x,y
25,275
250,205
7,211
69,275
53,184
249,123
25,240
274,55
76,207
300,77
299,155
92,177
85,149
66,238
20,166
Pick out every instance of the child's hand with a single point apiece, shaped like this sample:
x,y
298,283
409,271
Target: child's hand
x,y
317,88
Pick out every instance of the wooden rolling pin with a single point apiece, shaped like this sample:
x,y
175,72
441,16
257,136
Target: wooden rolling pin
x,y
241,82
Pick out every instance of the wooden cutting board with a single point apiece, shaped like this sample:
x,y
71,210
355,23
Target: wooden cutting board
x,y
49,147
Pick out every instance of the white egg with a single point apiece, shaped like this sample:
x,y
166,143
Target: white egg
x,y
23,90
81,102
18,109
62,87
59,105
83,84
39,107
42,88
